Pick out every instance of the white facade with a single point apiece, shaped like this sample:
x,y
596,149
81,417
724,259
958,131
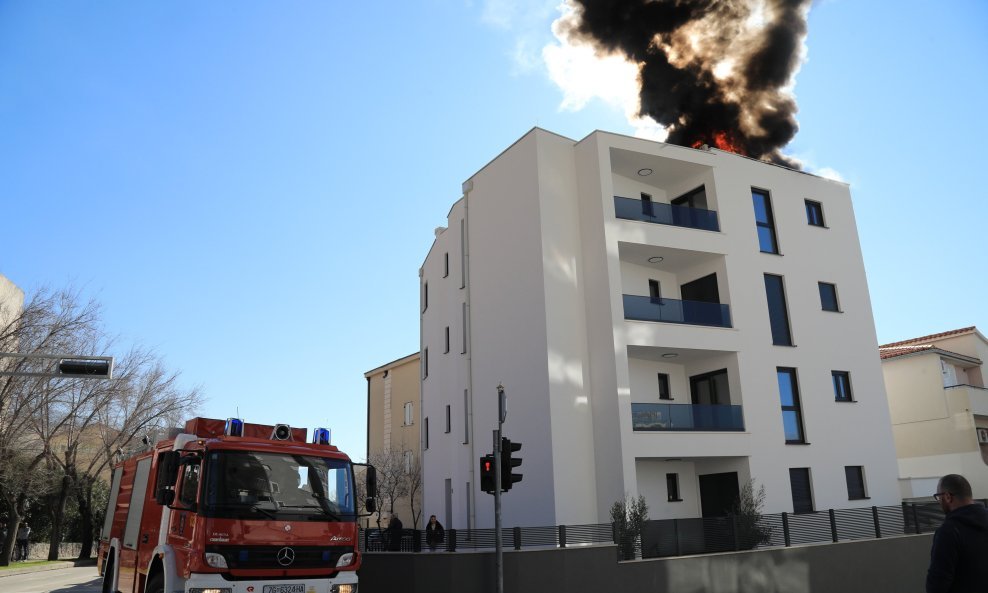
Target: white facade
x,y
531,278
939,408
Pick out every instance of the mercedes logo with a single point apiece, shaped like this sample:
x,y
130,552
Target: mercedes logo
x,y
286,556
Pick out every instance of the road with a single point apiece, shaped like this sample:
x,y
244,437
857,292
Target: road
x,y
83,579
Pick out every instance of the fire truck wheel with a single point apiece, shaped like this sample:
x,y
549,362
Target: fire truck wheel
x,y
156,584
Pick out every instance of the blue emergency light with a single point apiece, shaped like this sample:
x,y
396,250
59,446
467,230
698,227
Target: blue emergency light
x,y
320,436
234,427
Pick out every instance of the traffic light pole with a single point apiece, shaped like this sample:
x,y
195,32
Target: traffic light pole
x,y
502,412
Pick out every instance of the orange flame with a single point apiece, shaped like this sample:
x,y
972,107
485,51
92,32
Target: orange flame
x,y
724,141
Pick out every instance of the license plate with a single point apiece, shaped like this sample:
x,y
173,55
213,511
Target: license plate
x,y
284,588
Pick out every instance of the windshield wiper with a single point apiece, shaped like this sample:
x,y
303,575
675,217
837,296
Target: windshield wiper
x,y
258,509
323,506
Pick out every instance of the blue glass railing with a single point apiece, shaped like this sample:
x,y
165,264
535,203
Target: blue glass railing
x,y
662,213
643,308
686,417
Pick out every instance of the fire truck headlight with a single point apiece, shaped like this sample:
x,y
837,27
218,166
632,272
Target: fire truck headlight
x,y
344,589
215,560
345,560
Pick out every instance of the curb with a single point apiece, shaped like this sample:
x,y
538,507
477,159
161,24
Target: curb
x,y
39,568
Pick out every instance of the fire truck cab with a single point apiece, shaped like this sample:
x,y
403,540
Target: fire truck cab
x,y
232,507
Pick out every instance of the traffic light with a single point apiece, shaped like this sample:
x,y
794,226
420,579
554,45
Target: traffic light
x,y
487,476
507,463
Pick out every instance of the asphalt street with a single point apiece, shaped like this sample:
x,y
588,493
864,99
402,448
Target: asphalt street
x,y
82,579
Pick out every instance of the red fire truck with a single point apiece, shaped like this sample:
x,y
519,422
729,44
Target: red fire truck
x,y
233,507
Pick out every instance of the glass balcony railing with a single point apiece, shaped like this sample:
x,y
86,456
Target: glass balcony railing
x,y
662,213
643,308
686,417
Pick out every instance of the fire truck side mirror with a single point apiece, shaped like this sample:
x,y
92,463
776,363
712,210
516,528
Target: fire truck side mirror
x,y
164,484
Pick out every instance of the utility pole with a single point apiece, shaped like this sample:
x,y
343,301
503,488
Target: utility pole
x,y
502,413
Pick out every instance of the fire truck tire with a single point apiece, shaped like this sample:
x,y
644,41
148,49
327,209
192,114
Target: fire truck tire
x,y
156,584
107,577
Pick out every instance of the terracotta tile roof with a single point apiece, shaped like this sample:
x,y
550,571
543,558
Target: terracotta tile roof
x,y
893,351
923,339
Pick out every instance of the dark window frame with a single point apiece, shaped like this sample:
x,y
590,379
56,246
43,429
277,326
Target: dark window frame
x,y
842,386
795,407
809,507
855,473
449,419
447,340
446,265
672,487
425,296
814,214
647,205
778,315
425,363
768,224
664,391
825,299
425,433
654,290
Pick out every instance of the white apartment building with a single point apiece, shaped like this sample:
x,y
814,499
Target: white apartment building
x,y
939,408
666,321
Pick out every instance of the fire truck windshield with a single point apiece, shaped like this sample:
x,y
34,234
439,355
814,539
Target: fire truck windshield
x,y
255,485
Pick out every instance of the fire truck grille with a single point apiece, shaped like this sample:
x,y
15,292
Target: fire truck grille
x,y
283,557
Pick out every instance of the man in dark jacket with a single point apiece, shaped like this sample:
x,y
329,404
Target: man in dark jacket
x,y
960,545
394,534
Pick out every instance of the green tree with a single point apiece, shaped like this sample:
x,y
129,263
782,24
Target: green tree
x,y
748,516
628,518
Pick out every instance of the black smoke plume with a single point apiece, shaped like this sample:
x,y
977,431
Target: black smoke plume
x,y
714,72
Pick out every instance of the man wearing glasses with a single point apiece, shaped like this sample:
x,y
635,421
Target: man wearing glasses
x,y
959,558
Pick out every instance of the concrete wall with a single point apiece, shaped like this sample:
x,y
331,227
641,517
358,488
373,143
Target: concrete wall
x,y
894,564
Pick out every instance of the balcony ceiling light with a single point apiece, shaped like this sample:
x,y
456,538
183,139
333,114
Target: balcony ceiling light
x,y
645,172
655,259
670,355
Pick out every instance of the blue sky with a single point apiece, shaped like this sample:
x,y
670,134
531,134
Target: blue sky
x,y
250,187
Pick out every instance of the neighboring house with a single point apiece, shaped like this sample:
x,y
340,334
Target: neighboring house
x,y
11,300
666,321
393,413
939,407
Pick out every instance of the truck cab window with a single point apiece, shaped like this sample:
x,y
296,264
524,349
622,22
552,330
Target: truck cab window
x,y
190,485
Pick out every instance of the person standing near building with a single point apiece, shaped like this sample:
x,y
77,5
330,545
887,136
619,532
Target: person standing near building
x,y
394,534
960,546
23,538
434,533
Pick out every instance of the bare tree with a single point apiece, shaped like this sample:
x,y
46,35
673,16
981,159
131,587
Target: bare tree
x,y
49,322
72,428
392,480
414,479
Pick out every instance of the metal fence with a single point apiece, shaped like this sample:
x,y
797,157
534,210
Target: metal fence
x,y
681,537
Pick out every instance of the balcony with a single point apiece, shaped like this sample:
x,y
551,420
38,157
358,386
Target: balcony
x,y
662,213
643,308
686,417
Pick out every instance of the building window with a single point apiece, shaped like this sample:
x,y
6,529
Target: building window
x,y
802,490
425,296
425,363
855,482
464,349
672,487
446,265
408,462
664,386
842,386
466,418
778,314
449,427
764,221
647,208
792,416
828,297
463,253
408,413
814,213
654,291
425,432
447,340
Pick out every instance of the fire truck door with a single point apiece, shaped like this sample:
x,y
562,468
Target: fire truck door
x,y
183,515
132,529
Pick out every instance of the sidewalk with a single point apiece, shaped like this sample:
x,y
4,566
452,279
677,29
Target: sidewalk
x,y
54,565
